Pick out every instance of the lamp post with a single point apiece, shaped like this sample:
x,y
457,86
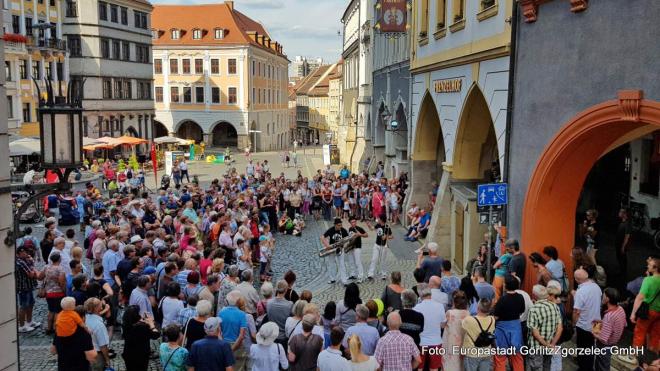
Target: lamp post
x,y
255,138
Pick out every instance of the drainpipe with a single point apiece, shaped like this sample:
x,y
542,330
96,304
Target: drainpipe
x,y
510,93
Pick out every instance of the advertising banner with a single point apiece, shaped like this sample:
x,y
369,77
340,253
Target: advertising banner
x,y
393,14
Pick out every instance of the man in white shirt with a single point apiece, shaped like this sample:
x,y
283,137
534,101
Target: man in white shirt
x,y
65,258
331,359
431,335
586,310
436,293
183,166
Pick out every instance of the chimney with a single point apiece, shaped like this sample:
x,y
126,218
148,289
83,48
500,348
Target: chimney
x,y
230,4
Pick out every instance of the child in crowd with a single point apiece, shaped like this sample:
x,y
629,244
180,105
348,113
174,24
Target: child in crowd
x,y
265,255
346,208
68,320
364,206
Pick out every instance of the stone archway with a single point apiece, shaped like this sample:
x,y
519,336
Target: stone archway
x,y
188,129
548,216
131,132
224,134
160,130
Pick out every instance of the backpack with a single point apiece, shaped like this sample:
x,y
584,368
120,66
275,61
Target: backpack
x,y
129,173
485,338
158,316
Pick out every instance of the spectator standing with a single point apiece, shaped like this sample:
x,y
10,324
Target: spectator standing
x,y
331,358
508,331
543,275
305,348
484,289
608,332
249,293
545,327
453,331
279,309
194,329
433,315
586,310
648,293
476,358
395,350
94,308
266,355
431,264
75,352
391,296
517,264
449,282
55,286
360,361
171,305
368,335
138,332
234,328
140,296
26,282
173,357
345,316
412,321
211,353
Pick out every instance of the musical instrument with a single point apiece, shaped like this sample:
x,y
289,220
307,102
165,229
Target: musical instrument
x,y
342,246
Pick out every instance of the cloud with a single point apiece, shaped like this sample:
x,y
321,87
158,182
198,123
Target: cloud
x,y
261,4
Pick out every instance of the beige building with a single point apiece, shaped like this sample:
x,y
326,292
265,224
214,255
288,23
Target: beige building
x,y
110,48
219,77
334,102
34,50
313,104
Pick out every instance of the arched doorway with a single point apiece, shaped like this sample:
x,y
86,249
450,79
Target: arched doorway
x,y
548,216
189,129
224,135
475,152
160,130
131,132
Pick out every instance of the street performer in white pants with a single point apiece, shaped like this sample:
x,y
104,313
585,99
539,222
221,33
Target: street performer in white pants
x,y
379,255
355,255
331,236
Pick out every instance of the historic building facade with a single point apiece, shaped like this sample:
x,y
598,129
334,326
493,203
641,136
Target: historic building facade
x,y
388,143
219,77
334,100
459,65
313,104
356,85
34,51
110,48
570,113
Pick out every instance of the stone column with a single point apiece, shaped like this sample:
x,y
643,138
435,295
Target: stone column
x,y
208,139
139,122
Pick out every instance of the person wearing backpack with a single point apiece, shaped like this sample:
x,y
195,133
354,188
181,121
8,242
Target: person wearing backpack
x,y
479,337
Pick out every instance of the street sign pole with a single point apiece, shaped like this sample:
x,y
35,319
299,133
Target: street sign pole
x,y
490,238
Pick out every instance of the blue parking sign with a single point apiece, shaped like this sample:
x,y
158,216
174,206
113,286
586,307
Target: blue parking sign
x,y
492,194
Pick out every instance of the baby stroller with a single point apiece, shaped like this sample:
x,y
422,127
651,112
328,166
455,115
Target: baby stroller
x,y
69,214
165,182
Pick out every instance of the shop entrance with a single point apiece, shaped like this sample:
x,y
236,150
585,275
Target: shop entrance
x,y
555,187
476,160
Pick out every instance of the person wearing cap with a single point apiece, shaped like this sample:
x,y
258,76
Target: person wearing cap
x,y
331,236
211,353
267,355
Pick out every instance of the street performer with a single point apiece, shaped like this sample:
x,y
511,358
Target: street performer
x,y
379,255
355,254
333,235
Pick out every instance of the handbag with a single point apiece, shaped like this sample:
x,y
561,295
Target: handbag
x,y
170,358
643,310
279,364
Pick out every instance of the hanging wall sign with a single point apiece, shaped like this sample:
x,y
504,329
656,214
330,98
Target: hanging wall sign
x,y
393,15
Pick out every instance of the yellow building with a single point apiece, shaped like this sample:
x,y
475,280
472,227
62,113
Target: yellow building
x,y
219,77
313,104
34,50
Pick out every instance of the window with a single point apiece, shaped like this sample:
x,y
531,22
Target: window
x,y
10,107
125,51
140,19
27,113
142,53
23,69
187,94
105,48
8,75
36,70
159,94
199,66
459,10
124,15
117,93
175,34
16,24
128,91
107,89
197,34
174,66
144,90
116,49
48,70
199,94
424,18
186,66
219,33
254,68
231,66
174,94
103,11
71,8
254,96
75,49
485,4
158,66
231,99
114,13
215,95
649,177
215,66
28,26
76,85
440,15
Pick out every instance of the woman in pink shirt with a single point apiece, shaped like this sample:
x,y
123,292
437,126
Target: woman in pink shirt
x,y
377,203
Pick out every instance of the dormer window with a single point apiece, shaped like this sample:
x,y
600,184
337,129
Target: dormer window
x,y
154,33
219,33
176,34
197,34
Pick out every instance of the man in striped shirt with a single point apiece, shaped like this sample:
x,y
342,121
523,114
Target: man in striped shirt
x,y
544,323
608,332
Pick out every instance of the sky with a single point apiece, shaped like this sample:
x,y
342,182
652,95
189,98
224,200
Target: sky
x,y
305,27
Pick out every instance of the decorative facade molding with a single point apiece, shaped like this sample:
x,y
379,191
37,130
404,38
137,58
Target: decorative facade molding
x,y
629,103
579,5
530,9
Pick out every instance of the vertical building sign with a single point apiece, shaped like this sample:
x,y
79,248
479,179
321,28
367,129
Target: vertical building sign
x,y
393,15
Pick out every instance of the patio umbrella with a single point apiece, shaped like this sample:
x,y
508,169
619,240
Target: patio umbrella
x,y
25,147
